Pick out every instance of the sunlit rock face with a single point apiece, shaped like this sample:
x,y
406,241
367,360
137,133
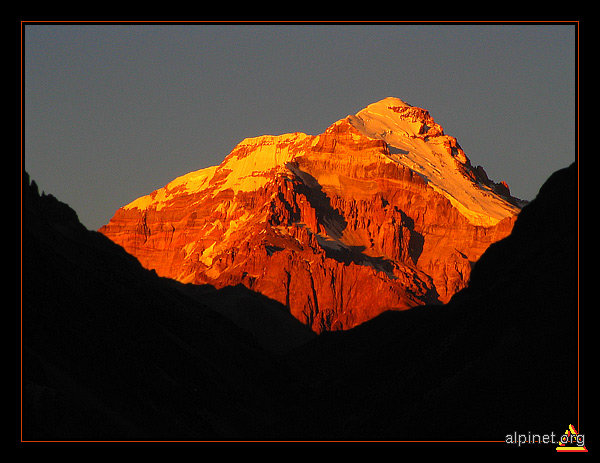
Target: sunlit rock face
x,y
380,211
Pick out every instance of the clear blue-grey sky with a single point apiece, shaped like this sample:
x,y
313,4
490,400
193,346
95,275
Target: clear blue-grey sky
x,y
113,112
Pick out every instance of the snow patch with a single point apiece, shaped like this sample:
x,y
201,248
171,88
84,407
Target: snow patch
x,y
188,183
248,173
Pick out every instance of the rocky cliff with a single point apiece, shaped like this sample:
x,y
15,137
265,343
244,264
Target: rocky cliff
x,y
380,211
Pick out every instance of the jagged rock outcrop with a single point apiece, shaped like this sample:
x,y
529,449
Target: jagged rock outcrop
x,y
381,211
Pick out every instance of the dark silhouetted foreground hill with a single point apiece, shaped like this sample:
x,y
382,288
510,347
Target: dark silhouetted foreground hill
x,y
111,351
500,357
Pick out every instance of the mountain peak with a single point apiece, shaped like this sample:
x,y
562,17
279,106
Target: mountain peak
x,y
392,115
390,101
381,201
416,141
388,131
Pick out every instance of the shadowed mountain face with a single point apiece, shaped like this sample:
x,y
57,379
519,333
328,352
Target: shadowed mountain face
x,y
111,351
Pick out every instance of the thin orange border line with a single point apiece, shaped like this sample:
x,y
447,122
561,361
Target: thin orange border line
x,y
300,22
578,230
273,441
21,219
24,22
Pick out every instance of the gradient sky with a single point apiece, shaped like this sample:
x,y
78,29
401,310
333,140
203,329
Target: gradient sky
x,y
113,112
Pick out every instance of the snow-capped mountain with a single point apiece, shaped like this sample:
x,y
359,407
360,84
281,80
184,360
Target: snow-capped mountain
x,y
416,141
381,211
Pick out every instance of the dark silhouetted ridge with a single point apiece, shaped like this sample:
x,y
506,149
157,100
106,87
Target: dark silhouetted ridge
x,y
111,351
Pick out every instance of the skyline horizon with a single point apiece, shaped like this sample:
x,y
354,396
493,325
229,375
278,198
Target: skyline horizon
x,y
165,131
